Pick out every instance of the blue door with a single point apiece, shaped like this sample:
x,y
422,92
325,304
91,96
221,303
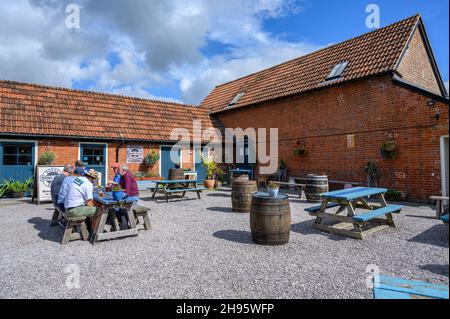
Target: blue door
x,y
94,156
16,160
199,168
166,162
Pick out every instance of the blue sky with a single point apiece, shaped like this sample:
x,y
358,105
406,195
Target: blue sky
x,y
179,50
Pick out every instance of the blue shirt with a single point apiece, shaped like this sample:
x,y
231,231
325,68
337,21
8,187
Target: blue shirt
x,y
64,189
117,178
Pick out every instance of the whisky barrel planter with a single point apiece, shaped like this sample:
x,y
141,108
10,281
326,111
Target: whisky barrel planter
x,y
176,174
270,219
239,176
241,195
315,185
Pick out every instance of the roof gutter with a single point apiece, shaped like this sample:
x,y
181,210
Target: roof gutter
x,y
408,85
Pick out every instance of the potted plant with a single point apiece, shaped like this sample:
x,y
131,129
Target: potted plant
x,y
117,193
16,189
47,158
394,195
220,178
151,159
372,172
300,151
389,149
211,168
272,189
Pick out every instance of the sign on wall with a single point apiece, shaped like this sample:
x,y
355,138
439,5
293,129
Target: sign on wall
x,y
44,179
135,154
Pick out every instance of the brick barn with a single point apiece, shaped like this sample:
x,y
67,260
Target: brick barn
x,y
340,104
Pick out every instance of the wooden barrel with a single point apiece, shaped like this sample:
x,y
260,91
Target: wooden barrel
x,y
241,195
270,219
176,174
316,185
239,177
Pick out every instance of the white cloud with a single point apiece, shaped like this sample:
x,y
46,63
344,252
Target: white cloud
x,y
155,43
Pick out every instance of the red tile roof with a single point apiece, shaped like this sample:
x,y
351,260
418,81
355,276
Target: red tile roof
x,y
370,54
30,109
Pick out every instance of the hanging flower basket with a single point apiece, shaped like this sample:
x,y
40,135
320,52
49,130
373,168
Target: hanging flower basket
x,y
389,150
301,151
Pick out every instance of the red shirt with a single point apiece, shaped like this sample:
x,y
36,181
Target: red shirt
x,y
128,183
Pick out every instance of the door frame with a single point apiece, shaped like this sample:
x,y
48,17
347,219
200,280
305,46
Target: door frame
x,y
160,156
106,155
443,155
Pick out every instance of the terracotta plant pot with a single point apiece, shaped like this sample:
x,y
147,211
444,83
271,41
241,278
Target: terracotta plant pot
x,y
209,183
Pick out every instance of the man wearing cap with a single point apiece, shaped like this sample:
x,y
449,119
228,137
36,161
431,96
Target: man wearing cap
x,y
58,181
79,200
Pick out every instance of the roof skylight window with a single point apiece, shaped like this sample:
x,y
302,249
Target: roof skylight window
x,y
337,71
236,99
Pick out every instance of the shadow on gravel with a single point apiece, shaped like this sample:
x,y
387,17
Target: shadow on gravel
x,y
436,235
218,195
45,231
421,216
221,210
241,237
305,228
436,269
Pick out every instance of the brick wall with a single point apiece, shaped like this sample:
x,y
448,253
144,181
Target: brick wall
x,y
415,66
374,111
67,152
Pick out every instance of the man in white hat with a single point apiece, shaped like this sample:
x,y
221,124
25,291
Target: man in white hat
x,y
79,200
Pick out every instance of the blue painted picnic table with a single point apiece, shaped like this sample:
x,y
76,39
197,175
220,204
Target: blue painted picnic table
x,y
397,288
177,186
355,225
106,205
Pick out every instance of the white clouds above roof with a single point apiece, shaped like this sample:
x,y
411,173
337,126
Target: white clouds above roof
x,y
155,43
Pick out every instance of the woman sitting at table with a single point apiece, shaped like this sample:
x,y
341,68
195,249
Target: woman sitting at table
x,y
129,185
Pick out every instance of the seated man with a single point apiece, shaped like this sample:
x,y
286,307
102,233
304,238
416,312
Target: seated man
x,y
127,181
65,188
79,200
58,181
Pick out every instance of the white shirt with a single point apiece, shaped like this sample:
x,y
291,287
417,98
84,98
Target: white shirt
x,y
80,191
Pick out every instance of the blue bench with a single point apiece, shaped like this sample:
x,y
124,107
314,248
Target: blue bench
x,y
315,209
145,185
183,190
397,288
445,219
377,213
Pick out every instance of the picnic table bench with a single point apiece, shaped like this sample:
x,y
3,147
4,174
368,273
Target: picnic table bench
x,y
177,186
354,225
145,185
299,187
396,288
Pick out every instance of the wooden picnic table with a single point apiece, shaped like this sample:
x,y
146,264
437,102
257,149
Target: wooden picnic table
x,y
440,205
299,187
348,200
173,186
106,205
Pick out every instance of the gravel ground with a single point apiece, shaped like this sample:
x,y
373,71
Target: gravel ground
x,y
200,249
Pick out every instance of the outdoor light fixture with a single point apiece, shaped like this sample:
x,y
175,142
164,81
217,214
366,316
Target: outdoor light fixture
x,y
431,102
437,115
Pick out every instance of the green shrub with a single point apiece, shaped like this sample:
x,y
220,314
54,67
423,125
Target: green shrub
x,y
151,159
47,158
12,186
